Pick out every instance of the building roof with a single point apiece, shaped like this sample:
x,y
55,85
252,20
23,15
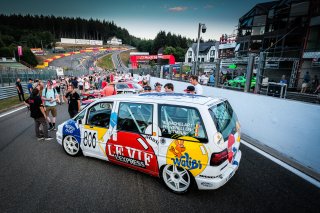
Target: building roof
x,y
259,9
203,47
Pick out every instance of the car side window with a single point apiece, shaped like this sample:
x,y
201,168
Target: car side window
x,y
181,121
99,115
135,117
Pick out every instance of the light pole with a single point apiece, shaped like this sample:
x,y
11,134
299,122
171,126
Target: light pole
x,y
202,28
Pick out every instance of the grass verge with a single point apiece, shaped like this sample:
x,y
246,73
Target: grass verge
x,y
10,102
125,56
105,62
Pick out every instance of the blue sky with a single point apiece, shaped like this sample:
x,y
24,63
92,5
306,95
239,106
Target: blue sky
x,y
143,18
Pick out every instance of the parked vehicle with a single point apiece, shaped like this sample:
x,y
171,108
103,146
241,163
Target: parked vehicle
x,y
177,137
240,81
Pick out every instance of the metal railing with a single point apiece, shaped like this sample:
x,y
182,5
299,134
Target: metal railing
x,y
11,91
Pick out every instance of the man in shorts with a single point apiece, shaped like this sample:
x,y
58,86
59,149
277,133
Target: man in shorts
x,y
50,97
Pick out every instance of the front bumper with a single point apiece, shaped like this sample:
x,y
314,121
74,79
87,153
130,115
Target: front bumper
x,y
208,183
59,137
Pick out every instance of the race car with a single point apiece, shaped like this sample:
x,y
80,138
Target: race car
x,y
176,137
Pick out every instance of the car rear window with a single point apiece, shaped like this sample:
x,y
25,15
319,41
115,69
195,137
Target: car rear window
x,y
177,121
224,118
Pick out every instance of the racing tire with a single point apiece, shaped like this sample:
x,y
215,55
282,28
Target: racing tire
x,y
176,179
71,146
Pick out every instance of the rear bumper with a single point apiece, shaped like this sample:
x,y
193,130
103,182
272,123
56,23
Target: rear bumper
x,y
208,183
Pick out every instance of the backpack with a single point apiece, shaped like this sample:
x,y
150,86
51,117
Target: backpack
x,y
54,91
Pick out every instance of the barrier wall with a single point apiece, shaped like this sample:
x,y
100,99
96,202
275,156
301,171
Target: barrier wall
x,y
291,127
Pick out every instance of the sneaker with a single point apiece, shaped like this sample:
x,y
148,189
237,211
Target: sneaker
x,y
54,128
40,138
50,128
48,139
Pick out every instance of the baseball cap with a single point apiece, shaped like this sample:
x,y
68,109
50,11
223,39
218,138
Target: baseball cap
x,y
50,82
157,84
190,89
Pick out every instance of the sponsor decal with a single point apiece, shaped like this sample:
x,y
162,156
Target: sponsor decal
x,y
133,150
69,129
149,137
188,153
206,184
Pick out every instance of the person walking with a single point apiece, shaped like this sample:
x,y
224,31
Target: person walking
x,y
194,81
37,112
20,90
73,100
30,86
51,97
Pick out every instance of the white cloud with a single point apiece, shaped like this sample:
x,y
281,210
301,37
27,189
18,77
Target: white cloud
x,y
177,9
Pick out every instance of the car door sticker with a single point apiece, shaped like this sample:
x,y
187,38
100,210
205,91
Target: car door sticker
x,y
94,137
132,149
189,153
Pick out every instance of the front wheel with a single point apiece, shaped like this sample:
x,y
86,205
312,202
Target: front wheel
x,y
177,179
71,145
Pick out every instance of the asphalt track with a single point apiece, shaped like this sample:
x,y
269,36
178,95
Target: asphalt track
x,y
39,177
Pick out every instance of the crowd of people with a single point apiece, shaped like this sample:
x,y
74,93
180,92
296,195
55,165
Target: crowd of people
x,y
44,96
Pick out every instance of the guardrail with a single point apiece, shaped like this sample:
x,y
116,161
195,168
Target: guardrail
x,y
11,91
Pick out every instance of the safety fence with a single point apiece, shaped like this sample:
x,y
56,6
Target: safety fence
x,y
9,76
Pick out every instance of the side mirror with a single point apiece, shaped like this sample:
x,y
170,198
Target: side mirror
x,y
79,121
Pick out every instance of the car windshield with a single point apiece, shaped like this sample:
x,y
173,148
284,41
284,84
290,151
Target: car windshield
x,y
224,118
122,86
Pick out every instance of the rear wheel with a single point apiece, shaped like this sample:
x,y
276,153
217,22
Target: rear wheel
x,y
71,145
177,179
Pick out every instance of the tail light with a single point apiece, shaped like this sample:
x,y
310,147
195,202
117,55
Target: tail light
x,y
218,158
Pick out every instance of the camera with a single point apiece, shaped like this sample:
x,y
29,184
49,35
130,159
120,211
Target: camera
x,y
204,28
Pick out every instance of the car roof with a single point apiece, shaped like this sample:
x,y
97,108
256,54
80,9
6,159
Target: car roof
x,y
162,97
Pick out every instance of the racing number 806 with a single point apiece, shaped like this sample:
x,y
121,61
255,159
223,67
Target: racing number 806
x,y
90,139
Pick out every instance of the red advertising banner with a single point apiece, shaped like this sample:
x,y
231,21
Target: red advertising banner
x,y
19,50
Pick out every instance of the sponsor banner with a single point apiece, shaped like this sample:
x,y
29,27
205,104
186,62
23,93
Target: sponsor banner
x,y
20,50
81,41
37,51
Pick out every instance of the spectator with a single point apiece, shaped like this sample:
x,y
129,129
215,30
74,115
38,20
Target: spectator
x,y
157,87
30,86
104,83
20,90
37,112
211,80
109,90
86,85
73,99
306,79
51,97
204,79
195,83
315,82
190,90
147,88
80,84
74,82
283,80
169,88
